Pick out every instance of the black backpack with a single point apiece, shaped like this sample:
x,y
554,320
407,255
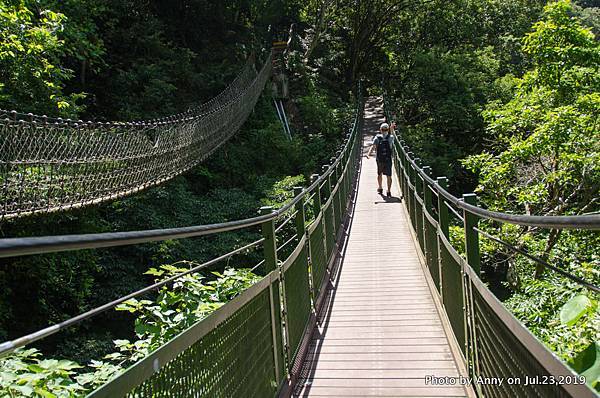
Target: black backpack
x,y
384,150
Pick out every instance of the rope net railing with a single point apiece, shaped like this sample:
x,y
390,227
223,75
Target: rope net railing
x,y
51,164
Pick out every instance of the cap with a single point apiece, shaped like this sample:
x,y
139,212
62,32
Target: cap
x,y
384,126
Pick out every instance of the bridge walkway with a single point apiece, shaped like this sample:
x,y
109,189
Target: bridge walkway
x,y
380,333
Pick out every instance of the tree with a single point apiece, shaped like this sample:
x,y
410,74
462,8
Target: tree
x,y
546,155
31,75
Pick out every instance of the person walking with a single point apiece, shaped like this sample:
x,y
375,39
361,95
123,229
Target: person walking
x,y
383,143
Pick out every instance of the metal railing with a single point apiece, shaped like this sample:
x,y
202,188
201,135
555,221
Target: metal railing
x,y
493,343
254,344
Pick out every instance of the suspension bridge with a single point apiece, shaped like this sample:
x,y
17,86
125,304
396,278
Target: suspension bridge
x,y
371,299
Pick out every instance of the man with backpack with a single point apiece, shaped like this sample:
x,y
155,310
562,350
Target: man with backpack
x,y
384,143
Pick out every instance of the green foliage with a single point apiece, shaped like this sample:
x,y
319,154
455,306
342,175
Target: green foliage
x,y
546,155
543,158
445,60
32,78
282,191
190,299
574,309
176,308
560,46
588,364
25,374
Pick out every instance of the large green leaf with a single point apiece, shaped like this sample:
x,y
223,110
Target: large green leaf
x,y
587,363
574,309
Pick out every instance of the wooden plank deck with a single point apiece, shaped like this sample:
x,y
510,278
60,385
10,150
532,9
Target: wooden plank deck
x,y
380,333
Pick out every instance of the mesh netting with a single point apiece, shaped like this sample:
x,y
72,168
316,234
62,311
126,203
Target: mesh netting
x,y
235,359
500,354
51,164
453,293
318,259
297,293
431,249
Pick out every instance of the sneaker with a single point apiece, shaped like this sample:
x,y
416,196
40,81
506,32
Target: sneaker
x,y
380,191
389,194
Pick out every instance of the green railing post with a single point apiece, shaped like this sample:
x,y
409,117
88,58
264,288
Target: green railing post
x,y
329,228
270,244
419,189
404,174
427,195
338,195
400,166
411,181
327,184
444,226
317,197
443,219
344,176
418,178
472,236
300,216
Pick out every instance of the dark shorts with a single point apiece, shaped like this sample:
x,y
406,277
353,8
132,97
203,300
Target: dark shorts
x,y
384,168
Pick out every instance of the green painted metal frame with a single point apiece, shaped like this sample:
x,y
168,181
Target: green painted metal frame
x,y
493,343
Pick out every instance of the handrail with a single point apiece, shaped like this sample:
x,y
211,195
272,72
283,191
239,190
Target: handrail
x,y
551,222
12,247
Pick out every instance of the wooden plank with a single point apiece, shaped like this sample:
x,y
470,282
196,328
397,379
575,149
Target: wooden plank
x,y
380,373
430,366
416,296
382,392
371,328
383,356
341,349
359,321
412,341
361,382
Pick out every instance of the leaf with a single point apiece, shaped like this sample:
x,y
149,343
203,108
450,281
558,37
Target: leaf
x,y
574,309
44,393
67,365
26,390
587,363
35,368
155,272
